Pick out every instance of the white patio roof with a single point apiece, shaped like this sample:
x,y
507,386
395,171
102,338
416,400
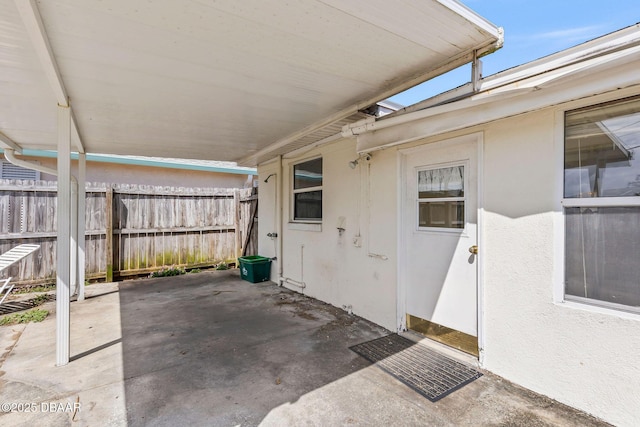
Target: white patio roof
x,y
221,80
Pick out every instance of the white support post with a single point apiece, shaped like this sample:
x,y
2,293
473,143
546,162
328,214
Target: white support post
x,y
73,231
82,168
63,272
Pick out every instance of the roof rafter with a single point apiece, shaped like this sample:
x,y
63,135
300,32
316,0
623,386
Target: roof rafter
x,y
9,143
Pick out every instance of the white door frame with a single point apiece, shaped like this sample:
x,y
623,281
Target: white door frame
x,y
401,310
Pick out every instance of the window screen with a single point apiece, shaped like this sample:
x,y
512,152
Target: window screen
x,y
602,207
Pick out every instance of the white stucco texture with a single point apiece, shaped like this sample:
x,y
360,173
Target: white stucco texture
x,y
149,175
577,356
333,267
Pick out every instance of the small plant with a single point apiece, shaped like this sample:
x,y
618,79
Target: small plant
x,y
195,270
36,315
222,266
167,272
40,299
39,288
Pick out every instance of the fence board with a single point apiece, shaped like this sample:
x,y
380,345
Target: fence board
x,y
150,227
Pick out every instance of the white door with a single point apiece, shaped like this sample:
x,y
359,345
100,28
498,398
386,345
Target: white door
x,y
440,205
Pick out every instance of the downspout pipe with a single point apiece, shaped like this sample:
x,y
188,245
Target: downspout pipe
x,y
301,285
9,154
280,220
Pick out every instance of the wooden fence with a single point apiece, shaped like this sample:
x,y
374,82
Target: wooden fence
x,y
130,229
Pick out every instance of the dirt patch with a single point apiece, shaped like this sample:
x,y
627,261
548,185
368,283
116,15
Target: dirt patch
x,y
535,409
525,418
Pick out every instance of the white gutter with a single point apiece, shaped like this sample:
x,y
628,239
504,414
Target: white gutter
x,y
9,154
505,86
9,143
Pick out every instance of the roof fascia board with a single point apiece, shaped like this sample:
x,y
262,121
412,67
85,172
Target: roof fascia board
x,y
34,26
622,39
455,62
602,46
140,162
550,70
471,16
488,107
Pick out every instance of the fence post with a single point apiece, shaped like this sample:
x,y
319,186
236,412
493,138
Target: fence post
x,y
108,218
238,244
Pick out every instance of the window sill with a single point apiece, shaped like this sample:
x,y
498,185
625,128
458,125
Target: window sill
x,y
594,308
305,226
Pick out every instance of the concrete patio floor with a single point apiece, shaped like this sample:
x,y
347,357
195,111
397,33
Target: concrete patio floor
x,y
209,349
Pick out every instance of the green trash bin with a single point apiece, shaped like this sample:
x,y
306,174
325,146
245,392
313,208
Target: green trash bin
x,y
255,268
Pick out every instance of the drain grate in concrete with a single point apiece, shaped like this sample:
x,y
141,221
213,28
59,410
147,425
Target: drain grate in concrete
x,y
9,307
428,372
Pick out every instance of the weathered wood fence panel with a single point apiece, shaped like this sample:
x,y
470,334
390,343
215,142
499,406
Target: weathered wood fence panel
x,y
249,224
130,229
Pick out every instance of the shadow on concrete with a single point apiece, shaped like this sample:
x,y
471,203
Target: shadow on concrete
x,y
94,350
210,349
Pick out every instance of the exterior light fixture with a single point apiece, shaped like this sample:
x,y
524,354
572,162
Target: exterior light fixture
x,y
354,163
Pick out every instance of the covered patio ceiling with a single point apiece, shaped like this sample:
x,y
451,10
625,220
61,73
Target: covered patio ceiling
x,y
220,80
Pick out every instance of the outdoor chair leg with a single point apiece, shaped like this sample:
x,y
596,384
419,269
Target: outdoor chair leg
x,y
8,290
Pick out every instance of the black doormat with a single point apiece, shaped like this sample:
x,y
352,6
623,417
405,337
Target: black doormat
x,y
428,372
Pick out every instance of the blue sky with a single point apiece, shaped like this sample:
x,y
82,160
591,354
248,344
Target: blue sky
x,y
533,29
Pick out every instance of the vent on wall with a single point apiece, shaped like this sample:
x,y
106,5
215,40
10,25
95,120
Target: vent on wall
x,y
11,171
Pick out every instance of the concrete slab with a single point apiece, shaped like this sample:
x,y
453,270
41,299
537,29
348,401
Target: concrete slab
x,y
210,349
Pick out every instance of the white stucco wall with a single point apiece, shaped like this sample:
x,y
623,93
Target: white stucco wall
x,y
267,216
149,175
581,356
333,268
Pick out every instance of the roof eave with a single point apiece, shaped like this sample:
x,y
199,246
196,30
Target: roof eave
x,y
455,62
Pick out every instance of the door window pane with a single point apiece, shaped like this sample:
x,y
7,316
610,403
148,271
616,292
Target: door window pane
x,y
602,246
441,197
439,183
441,214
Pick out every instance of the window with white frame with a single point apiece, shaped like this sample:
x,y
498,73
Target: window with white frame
x,y
307,191
602,204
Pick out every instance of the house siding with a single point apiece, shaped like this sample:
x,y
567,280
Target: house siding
x,y
580,356
148,175
333,268
577,356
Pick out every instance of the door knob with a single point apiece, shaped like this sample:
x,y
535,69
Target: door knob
x,y
474,249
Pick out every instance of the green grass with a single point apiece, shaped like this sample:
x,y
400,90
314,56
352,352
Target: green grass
x,y
40,299
36,315
28,290
166,272
222,266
